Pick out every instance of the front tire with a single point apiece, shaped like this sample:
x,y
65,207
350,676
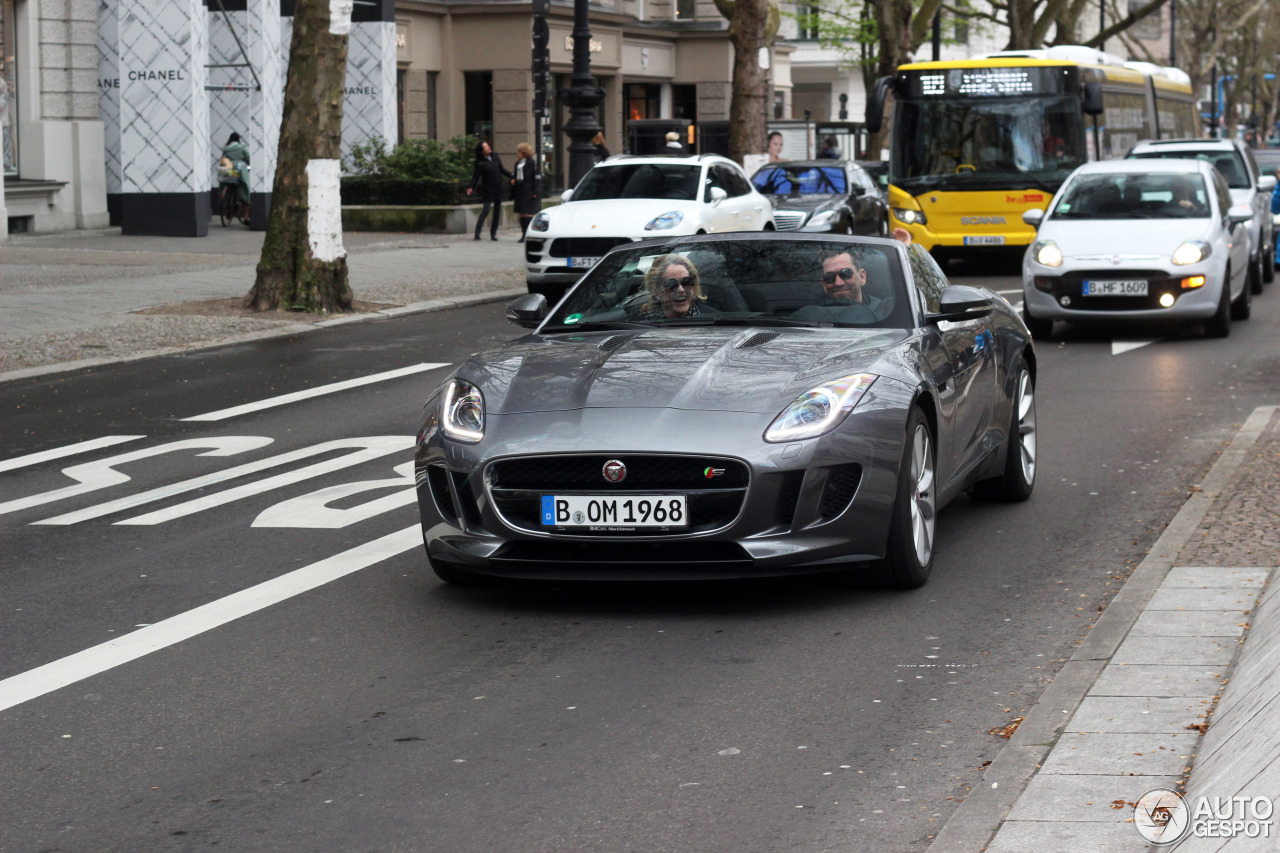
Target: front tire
x,y
909,556
1242,308
1019,477
1219,325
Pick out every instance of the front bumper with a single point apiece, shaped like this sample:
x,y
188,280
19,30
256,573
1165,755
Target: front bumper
x,y
1056,293
549,259
813,505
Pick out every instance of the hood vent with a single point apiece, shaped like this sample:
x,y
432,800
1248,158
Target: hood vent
x,y
612,342
758,339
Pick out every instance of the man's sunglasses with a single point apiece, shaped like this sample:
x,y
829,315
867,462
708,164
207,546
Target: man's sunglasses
x,y
687,283
830,277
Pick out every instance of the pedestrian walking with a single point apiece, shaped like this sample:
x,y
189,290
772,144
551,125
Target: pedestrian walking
x,y
525,187
487,176
602,153
674,147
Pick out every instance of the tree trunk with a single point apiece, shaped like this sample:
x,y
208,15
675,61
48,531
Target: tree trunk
x,y
750,29
303,265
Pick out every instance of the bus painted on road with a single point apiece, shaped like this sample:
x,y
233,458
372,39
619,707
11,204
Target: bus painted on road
x,y
976,142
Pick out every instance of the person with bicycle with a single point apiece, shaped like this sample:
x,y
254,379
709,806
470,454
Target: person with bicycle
x,y
236,154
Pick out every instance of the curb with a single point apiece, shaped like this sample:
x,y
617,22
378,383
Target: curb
x,y
290,330
979,817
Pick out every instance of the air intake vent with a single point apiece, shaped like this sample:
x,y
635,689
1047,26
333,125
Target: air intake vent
x,y
758,339
612,342
842,482
438,479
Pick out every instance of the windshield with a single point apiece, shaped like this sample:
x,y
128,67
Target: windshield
x,y
800,180
1229,163
747,282
640,180
986,143
1133,196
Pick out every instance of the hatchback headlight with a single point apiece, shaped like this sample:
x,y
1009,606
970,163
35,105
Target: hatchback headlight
x,y
1047,254
541,222
819,410
462,411
667,220
911,217
1191,252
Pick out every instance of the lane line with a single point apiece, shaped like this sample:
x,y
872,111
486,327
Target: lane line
x,y
92,661
284,399
69,450
1119,347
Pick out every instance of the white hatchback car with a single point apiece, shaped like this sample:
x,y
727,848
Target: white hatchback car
x,y
1139,240
627,198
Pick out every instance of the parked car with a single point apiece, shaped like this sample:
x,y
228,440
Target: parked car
x,y
839,197
1248,185
628,198
1135,240
728,405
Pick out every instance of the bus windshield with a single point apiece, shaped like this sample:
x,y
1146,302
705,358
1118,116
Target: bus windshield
x,y
986,143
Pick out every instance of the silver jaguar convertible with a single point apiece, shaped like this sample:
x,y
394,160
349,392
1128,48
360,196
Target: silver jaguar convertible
x,y
729,406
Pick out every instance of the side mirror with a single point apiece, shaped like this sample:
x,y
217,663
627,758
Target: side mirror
x,y
527,311
962,302
1033,217
1266,184
718,194
1091,103
857,190
1238,213
566,195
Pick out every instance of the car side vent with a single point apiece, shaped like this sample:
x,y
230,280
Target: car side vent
x,y
788,495
438,480
612,342
837,494
758,339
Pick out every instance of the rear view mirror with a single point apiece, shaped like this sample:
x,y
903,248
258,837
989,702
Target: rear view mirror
x,y
1092,99
527,311
1033,217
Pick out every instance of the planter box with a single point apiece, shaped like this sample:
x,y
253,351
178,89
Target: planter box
x,y
421,218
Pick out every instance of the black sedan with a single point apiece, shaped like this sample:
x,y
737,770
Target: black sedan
x,y
728,406
823,196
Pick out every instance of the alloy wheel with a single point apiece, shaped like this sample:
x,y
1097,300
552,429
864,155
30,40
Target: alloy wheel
x,y
923,509
1027,427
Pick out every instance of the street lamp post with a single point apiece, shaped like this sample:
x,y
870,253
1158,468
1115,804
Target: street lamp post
x,y
582,97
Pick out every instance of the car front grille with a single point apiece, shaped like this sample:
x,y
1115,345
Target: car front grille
x,y
789,220
517,486
1071,285
584,247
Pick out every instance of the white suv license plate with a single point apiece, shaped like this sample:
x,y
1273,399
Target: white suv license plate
x,y
615,512
985,240
582,263
1117,287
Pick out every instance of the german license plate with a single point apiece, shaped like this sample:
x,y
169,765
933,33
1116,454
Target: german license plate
x,y
1115,287
583,263
985,240
614,512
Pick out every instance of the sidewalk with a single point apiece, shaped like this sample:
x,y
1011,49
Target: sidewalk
x,y
82,298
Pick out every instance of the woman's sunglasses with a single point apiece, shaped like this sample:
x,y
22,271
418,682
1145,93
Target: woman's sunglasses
x,y
830,277
687,283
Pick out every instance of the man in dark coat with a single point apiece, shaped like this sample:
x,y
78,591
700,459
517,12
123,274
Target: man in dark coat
x,y
487,176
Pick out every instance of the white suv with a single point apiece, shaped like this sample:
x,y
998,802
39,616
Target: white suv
x,y
627,198
1247,184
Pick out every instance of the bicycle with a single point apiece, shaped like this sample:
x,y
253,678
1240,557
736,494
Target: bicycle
x,y
229,205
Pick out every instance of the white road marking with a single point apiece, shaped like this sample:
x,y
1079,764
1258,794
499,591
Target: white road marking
x,y
1118,347
98,659
69,450
367,448
313,510
284,399
101,474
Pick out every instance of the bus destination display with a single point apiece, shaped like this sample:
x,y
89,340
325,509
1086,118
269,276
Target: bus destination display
x,y
987,82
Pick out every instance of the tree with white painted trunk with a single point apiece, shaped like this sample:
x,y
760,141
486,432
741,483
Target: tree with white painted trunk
x,y
304,265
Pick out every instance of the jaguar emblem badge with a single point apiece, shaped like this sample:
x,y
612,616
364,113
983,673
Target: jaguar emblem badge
x,y
615,471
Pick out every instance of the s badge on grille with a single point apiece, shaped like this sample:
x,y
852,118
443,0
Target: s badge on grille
x,y
712,472
615,471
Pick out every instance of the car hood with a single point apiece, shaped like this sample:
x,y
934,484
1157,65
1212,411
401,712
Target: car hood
x,y
608,215
1127,237
807,203
699,368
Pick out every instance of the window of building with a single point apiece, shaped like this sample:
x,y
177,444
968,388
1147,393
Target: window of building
x,y
8,89
479,103
641,100
807,17
402,80
684,101
686,10
432,131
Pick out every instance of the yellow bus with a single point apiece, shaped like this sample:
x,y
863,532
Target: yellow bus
x,y
976,142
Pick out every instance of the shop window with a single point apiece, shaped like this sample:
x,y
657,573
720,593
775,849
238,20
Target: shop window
x,y
642,101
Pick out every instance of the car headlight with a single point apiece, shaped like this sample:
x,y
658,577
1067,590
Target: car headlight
x,y
1191,252
1047,254
819,410
911,217
665,221
823,219
462,411
541,222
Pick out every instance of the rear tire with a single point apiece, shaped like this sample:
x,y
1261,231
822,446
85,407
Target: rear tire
x,y
909,556
1219,325
1255,273
1267,259
1242,308
1019,477
1041,330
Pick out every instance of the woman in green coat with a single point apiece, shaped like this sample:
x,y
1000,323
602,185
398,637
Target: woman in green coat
x,y
238,154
